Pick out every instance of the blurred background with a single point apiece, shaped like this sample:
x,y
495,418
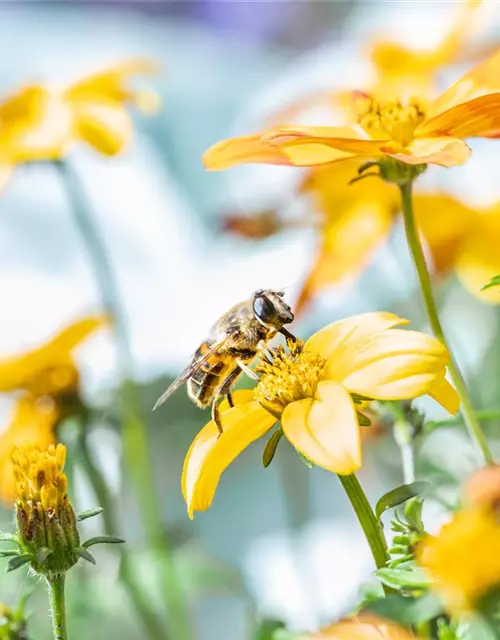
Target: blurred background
x,y
279,543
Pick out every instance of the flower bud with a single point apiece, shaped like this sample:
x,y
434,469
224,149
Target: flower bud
x,y
46,523
482,489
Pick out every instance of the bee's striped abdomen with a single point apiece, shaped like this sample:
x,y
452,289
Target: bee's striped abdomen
x,y
202,385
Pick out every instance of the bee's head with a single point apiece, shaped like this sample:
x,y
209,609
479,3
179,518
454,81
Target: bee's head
x,y
270,309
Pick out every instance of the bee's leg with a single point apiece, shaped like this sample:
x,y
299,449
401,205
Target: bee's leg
x,y
246,369
288,335
223,390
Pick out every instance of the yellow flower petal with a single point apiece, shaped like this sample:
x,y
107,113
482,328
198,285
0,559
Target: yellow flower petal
x,y
479,258
482,80
347,246
32,423
310,146
443,151
18,371
210,455
246,149
344,334
478,117
445,224
325,429
443,393
104,126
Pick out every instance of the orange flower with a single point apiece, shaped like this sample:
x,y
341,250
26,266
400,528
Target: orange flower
x,y
362,627
410,131
46,377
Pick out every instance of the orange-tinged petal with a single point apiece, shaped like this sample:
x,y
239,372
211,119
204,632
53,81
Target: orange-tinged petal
x,y
310,146
104,126
347,246
325,429
210,454
350,332
478,117
244,150
480,81
444,151
18,371
365,626
445,224
33,422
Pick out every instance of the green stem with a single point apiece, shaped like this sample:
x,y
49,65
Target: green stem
x,y
57,605
134,434
413,239
369,523
408,462
484,416
104,499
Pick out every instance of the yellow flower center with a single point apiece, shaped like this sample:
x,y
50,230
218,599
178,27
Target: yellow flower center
x,y
393,119
39,476
289,376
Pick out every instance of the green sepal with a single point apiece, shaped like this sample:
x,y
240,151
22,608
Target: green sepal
x,y
18,561
494,282
413,514
86,555
305,460
407,611
399,495
90,513
364,421
42,555
404,578
102,540
9,553
271,446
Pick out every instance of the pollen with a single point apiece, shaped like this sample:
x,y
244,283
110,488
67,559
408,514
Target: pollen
x,y
40,479
288,375
393,119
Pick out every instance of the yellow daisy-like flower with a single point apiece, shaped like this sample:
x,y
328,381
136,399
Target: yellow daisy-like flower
x,y
410,131
48,381
310,388
42,122
463,560
362,627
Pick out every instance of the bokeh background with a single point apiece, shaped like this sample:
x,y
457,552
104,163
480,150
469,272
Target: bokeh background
x,y
280,543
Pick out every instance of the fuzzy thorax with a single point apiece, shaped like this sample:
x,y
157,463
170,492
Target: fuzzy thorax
x,y
288,376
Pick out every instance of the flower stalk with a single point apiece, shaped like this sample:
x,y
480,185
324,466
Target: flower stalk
x,y
414,243
135,441
57,600
369,523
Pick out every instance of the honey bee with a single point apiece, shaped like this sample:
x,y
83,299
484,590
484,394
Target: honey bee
x,y
233,342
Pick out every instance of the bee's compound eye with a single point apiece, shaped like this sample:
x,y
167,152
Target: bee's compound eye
x,y
264,309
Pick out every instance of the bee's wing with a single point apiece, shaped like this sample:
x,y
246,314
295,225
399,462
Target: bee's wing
x,y
187,373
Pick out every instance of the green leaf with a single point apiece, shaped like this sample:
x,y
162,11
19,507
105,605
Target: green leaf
x,y
86,555
407,611
8,537
102,540
267,629
89,514
9,553
18,561
494,282
403,578
271,446
399,495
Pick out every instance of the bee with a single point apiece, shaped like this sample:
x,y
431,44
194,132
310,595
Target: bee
x,y
233,342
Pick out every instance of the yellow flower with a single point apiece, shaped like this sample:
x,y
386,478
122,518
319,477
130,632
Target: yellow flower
x,y
463,560
362,627
41,122
46,522
482,488
310,388
409,131
48,381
